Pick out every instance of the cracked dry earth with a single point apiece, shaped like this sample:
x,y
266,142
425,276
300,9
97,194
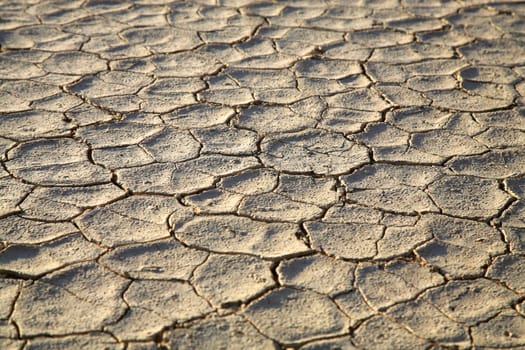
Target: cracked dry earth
x,y
240,174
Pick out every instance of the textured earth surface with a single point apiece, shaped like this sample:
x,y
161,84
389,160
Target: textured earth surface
x,y
244,174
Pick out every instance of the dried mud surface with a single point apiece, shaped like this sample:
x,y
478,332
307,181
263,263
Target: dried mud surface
x,y
244,174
